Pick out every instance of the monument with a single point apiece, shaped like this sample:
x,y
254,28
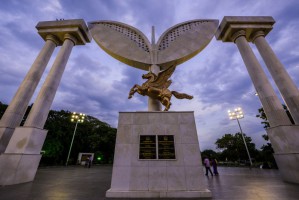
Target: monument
x,y
284,136
157,153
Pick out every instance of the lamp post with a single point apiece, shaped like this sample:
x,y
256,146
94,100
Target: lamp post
x,y
237,114
78,118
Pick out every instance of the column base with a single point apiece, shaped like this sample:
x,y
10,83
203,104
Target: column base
x,y
285,140
158,194
288,166
27,140
20,160
18,168
5,135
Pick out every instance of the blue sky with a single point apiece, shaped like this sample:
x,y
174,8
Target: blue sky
x,y
98,85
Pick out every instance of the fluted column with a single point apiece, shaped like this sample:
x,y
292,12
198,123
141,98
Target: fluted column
x,y
17,107
285,84
40,110
271,104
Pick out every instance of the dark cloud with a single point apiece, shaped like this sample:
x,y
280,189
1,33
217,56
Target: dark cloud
x,y
98,85
26,37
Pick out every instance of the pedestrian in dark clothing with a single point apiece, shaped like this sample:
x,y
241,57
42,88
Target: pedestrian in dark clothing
x,y
88,162
214,165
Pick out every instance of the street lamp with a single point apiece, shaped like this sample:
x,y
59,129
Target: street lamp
x,y
78,118
237,114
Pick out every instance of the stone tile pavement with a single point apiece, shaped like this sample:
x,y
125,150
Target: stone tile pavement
x,y
79,183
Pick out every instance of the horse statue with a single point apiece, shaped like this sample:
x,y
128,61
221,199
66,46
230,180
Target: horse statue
x,y
156,87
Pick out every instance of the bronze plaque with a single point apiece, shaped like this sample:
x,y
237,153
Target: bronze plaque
x,y
147,148
166,148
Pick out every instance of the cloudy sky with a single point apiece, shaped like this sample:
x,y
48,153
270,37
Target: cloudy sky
x,y
98,85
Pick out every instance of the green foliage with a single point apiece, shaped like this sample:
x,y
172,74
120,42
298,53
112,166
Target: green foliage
x,y
92,136
233,147
2,108
264,118
267,155
209,153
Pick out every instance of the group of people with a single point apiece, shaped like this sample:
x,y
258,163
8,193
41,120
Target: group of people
x,y
208,163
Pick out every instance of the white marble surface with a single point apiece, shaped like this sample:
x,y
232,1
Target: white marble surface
x,y
181,177
18,168
19,162
191,37
285,140
26,140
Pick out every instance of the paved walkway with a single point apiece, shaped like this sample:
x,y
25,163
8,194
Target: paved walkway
x,y
79,183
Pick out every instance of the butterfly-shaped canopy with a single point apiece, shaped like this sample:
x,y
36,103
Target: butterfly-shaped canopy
x,y
176,45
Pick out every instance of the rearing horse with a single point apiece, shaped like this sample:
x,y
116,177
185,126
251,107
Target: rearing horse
x,y
156,87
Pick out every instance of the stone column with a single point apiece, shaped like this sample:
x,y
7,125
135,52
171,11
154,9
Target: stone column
x,y
40,110
17,107
285,84
154,104
20,159
271,104
283,135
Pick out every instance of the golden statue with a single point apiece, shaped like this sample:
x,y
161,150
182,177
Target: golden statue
x,y
175,46
157,87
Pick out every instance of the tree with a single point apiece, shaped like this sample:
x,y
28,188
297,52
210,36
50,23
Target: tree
x,y
58,138
267,150
233,148
267,155
264,118
209,153
92,136
2,108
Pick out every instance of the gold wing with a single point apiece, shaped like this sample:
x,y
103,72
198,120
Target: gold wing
x,y
161,80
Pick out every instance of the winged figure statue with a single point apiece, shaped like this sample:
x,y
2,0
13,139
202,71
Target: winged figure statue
x,y
175,46
157,87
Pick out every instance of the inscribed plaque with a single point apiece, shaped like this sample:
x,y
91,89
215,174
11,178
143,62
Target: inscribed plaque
x,y
166,148
147,148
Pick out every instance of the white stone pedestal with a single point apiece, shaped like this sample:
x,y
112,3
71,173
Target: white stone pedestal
x,y
5,135
19,162
137,178
285,142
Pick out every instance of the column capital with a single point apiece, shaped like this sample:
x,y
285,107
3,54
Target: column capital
x,y
238,34
70,37
257,34
250,24
76,27
53,38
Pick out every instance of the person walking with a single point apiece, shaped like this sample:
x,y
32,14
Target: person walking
x,y
214,165
89,161
207,166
